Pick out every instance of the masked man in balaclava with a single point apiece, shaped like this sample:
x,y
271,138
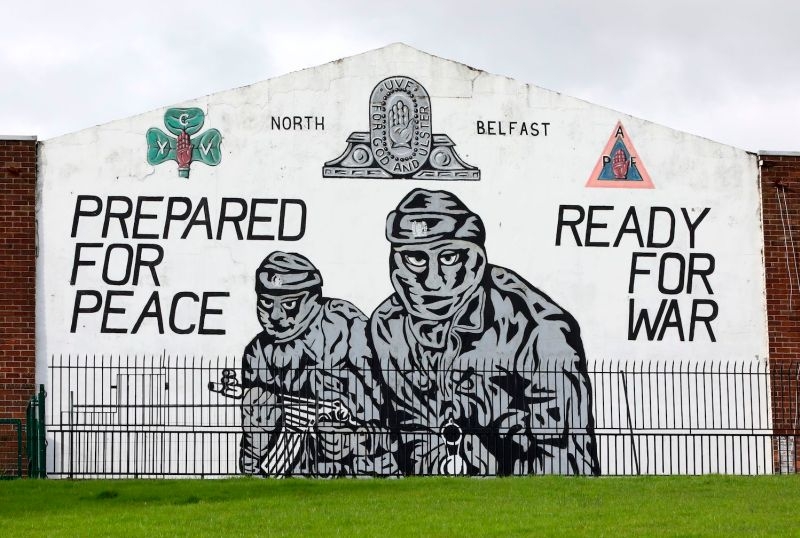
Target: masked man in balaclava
x,y
482,372
309,404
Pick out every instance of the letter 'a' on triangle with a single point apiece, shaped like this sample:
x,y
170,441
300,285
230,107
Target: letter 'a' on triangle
x,y
619,165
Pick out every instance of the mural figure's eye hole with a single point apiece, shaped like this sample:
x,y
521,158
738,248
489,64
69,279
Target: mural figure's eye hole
x,y
415,260
266,303
448,257
290,304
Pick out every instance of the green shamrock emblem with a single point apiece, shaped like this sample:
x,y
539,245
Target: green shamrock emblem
x,y
184,123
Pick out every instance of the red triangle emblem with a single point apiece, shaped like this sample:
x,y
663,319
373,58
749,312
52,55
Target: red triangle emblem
x,y
619,165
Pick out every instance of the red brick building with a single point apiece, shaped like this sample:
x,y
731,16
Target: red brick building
x,y
18,284
780,199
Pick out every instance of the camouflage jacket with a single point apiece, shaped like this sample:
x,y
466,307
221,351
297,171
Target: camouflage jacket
x,y
310,405
506,392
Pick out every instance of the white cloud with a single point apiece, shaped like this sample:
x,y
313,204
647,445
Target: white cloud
x,y
728,71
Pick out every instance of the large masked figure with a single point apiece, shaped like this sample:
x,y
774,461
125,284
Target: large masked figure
x,y
483,373
309,404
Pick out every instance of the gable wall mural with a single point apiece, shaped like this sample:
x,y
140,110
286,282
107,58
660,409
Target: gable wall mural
x,y
390,265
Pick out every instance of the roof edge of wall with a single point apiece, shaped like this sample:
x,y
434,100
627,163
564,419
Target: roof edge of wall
x,y
18,137
766,153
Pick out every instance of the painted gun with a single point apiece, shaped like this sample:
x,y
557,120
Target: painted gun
x,y
300,417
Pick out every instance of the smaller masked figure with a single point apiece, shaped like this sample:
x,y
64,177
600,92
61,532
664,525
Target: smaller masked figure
x,y
309,405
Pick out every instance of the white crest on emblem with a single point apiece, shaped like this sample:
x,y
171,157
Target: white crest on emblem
x,y
277,281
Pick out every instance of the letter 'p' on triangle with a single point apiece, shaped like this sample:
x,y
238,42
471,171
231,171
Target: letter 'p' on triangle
x,y
619,165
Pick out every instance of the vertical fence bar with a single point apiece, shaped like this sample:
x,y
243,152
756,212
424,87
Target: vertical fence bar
x,y
71,444
41,432
630,423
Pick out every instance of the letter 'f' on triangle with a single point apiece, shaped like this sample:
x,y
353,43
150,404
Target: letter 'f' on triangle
x,y
619,165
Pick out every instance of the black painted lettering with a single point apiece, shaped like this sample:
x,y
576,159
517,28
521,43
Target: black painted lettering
x,y
635,270
282,235
630,217
147,261
703,273
200,217
152,309
140,216
672,319
591,225
235,219
651,241
173,216
121,215
662,271
81,212
254,203
643,319
571,224
79,308
706,319
124,250
77,261
692,225
206,311
108,310
174,308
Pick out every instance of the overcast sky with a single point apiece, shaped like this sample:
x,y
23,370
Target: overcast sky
x,y
726,70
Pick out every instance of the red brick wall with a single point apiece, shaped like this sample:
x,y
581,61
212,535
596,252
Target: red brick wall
x,y
18,285
780,199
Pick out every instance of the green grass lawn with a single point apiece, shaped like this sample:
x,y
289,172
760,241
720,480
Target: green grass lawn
x,y
419,507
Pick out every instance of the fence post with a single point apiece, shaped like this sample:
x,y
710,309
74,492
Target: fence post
x,y
35,450
30,438
41,433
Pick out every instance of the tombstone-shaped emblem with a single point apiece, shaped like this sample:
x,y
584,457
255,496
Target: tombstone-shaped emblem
x,y
400,142
183,149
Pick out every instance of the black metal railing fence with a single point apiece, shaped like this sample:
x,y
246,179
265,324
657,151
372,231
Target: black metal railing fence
x,y
149,416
